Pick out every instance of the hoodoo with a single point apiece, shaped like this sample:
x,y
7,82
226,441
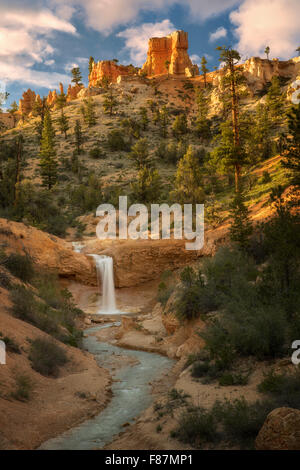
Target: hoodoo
x,y
172,50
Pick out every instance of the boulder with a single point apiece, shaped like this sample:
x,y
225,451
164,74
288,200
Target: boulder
x,y
280,431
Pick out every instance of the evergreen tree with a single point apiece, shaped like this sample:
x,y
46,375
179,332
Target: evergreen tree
x,y
202,123
298,50
132,128
260,135
76,76
78,137
61,101
13,112
180,126
241,228
164,121
63,123
110,103
275,100
88,111
91,64
140,154
232,81
291,153
267,52
147,187
204,69
144,118
48,163
188,180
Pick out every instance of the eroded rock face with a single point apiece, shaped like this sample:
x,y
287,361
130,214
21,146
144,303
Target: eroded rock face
x,y
109,69
47,251
280,431
172,49
73,91
26,103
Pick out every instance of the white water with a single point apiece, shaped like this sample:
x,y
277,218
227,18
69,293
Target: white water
x,y
105,274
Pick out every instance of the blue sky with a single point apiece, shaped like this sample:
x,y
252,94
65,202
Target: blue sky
x,y
40,40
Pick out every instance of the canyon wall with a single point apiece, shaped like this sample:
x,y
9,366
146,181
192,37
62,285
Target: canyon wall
x,y
169,54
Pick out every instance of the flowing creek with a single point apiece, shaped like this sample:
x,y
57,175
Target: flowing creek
x,y
131,394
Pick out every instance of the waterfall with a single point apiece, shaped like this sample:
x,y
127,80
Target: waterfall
x,y
105,273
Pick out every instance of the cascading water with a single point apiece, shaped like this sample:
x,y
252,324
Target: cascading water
x,y
105,273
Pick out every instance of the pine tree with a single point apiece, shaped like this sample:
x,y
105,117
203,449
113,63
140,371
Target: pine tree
x,y
241,228
110,103
275,100
260,135
140,154
61,101
91,64
76,76
202,123
144,118
188,180
63,123
267,52
180,126
298,50
163,117
13,111
231,82
78,137
48,163
204,69
147,187
88,111
291,154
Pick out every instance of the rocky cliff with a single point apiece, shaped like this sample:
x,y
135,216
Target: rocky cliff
x,y
108,69
170,50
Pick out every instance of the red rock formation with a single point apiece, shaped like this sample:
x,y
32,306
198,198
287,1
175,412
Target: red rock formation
x,y
172,49
73,92
109,69
51,99
27,102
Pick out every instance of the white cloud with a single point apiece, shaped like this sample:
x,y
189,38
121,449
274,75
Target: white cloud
x,y
218,34
136,39
195,59
25,34
106,15
273,23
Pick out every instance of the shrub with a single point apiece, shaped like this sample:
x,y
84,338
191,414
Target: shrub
x,y
115,141
96,153
20,266
47,357
24,388
10,344
196,426
284,388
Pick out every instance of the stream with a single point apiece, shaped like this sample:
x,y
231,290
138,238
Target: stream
x,y
131,395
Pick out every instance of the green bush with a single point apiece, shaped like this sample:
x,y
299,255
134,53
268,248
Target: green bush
x,y
96,153
20,266
47,357
11,345
115,141
284,388
24,388
195,427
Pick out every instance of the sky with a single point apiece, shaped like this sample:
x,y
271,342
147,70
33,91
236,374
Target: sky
x,y
41,40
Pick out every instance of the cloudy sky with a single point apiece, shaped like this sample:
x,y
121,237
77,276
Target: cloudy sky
x,y
41,40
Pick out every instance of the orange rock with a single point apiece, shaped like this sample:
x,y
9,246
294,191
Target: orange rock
x,y
280,431
109,69
27,102
172,49
73,92
51,99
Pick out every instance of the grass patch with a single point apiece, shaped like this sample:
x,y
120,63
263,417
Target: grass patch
x,y
24,388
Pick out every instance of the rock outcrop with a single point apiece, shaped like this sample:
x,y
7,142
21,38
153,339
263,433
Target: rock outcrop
x,y
47,251
26,103
73,91
280,431
108,69
170,50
